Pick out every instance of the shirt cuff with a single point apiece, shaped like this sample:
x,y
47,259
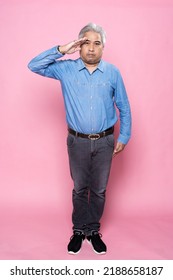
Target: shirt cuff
x,y
123,139
58,51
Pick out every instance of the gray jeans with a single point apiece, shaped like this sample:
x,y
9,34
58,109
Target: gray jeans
x,y
90,163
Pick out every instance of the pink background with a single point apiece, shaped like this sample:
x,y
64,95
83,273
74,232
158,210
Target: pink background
x,y
35,183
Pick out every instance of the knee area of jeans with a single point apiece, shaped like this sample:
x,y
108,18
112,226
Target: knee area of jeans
x,y
80,191
100,192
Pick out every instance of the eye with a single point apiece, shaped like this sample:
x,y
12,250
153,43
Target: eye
x,y
97,43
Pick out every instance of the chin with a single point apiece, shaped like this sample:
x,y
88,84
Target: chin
x,y
92,61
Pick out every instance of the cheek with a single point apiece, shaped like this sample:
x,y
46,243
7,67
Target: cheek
x,y
83,48
100,52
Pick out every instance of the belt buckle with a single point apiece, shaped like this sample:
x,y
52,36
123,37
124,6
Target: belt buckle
x,y
94,136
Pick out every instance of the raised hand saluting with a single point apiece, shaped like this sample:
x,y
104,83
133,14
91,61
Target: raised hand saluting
x,y
72,47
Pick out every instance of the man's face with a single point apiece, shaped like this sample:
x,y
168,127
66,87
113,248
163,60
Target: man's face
x,y
92,49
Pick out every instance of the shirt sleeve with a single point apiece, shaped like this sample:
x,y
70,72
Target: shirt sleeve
x,y
46,64
122,103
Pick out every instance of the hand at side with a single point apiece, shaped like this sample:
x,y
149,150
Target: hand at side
x,y
119,148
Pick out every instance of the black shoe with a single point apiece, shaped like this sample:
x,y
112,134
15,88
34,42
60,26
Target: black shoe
x,y
98,245
75,243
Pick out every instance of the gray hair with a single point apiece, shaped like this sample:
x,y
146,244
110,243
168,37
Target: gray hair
x,y
93,27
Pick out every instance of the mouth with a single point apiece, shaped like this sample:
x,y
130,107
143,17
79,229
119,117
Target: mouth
x,y
90,54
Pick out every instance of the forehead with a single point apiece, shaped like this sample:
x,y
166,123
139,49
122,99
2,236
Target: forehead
x,y
92,36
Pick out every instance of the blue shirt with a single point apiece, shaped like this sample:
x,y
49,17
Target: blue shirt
x,y
89,98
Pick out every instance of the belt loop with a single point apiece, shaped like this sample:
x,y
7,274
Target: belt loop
x,y
76,133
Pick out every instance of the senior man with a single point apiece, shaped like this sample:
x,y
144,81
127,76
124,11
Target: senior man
x,y
92,90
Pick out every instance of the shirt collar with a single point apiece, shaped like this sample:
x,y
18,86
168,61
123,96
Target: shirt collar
x,y
81,65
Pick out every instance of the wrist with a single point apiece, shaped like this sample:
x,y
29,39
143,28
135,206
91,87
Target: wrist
x,y
59,48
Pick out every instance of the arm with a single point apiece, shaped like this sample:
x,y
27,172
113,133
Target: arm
x,y
45,63
122,103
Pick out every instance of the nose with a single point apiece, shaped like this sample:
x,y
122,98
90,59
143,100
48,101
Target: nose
x,y
91,47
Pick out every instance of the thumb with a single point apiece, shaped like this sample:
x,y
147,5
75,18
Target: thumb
x,y
119,147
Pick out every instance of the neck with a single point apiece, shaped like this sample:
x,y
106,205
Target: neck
x,y
91,67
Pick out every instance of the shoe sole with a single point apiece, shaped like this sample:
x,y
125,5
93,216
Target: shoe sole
x,y
74,253
98,253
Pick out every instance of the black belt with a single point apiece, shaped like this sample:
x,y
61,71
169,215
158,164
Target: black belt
x,y
94,136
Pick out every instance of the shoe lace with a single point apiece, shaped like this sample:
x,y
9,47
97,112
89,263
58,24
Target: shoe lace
x,y
75,234
96,233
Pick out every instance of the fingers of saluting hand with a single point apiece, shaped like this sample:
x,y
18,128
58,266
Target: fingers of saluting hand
x,y
79,42
75,45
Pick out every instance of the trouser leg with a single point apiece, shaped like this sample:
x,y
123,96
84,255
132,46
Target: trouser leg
x,y
79,160
100,170
90,163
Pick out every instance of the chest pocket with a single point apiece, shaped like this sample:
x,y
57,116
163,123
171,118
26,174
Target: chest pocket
x,y
81,88
103,90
